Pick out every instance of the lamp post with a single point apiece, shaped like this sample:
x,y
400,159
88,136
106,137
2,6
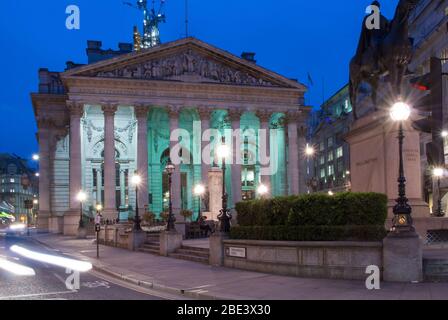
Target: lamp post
x,y
136,180
402,221
224,215
438,173
199,191
82,196
169,169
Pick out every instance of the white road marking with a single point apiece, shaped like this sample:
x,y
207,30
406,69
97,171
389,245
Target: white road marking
x,y
37,295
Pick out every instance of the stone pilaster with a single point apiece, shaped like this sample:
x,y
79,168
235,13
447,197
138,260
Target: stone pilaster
x,y
293,152
44,178
301,139
141,113
110,210
99,185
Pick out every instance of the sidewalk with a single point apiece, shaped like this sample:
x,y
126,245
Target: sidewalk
x,y
195,280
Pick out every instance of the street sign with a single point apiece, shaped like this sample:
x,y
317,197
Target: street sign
x,y
97,227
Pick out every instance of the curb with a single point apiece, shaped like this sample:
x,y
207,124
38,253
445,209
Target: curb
x,y
141,283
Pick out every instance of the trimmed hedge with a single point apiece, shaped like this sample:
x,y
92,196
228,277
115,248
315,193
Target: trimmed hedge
x,y
310,233
315,209
313,217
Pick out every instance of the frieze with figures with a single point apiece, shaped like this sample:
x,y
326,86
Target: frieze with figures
x,y
188,66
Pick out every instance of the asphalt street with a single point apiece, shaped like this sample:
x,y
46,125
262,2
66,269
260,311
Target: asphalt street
x,y
49,281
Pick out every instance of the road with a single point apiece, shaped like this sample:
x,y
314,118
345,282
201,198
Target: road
x,y
48,283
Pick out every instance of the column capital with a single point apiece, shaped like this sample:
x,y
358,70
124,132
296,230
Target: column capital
x,y
235,114
75,108
141,110
264,115
204,112
45,122
173,110
109,108
293,116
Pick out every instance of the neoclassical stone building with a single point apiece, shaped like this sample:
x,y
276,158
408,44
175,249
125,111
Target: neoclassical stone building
x,y
100,123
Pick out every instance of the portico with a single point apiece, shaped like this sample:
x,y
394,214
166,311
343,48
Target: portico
x,y
131,113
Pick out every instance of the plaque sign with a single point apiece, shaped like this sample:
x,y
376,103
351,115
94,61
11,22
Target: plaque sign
x,y
236,252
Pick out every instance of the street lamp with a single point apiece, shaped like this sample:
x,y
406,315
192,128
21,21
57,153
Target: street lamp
x,y
224,216
330,193
438,173
35,157
444,134
169,169
402,221
136,180
81,197
309,150
262,190
199,191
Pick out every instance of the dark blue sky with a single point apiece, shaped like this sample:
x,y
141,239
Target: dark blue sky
x,y
291,37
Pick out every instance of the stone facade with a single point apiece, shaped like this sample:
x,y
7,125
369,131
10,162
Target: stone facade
x,y
118,116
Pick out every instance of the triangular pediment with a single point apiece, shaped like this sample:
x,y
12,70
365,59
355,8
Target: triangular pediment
x,y
186,60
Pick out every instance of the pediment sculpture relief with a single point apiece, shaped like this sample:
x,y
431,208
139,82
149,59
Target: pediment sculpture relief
x,y
186,66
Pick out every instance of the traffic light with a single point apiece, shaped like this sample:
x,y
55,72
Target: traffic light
x,y
432,103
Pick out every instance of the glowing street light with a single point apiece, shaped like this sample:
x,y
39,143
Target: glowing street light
x,y
36,157
444,134
309,150
262,190
439,173
199,191
136,180
402,221
330,193
81,197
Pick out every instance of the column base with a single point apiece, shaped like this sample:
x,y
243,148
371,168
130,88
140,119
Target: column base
x,y
43,221
110,214
71,223
402,258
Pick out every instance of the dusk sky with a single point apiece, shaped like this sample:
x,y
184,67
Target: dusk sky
x,y
291,37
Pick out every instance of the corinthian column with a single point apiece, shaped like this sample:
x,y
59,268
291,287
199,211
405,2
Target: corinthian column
x,y
235,118
264,151
204,114
293,152
110,210
176,195
141,113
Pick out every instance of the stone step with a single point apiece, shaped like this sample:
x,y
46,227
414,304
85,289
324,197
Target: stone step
x,y
435,270
151,251
189,257
151,246
195,253
195,248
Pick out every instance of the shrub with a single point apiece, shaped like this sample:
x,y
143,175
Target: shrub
x,y
315,210
310,233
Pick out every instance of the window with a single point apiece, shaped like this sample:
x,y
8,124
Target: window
x,y
322,160
330,156
322,146
340,166
339,152
12,180
331,170
12,190
330,142
322,173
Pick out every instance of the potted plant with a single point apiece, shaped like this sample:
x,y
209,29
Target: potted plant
x,y
148,218
187,214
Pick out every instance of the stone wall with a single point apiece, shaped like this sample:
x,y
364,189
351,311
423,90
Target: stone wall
x,y
334,260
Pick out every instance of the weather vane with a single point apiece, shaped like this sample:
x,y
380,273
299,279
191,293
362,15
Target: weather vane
x,y
151,20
